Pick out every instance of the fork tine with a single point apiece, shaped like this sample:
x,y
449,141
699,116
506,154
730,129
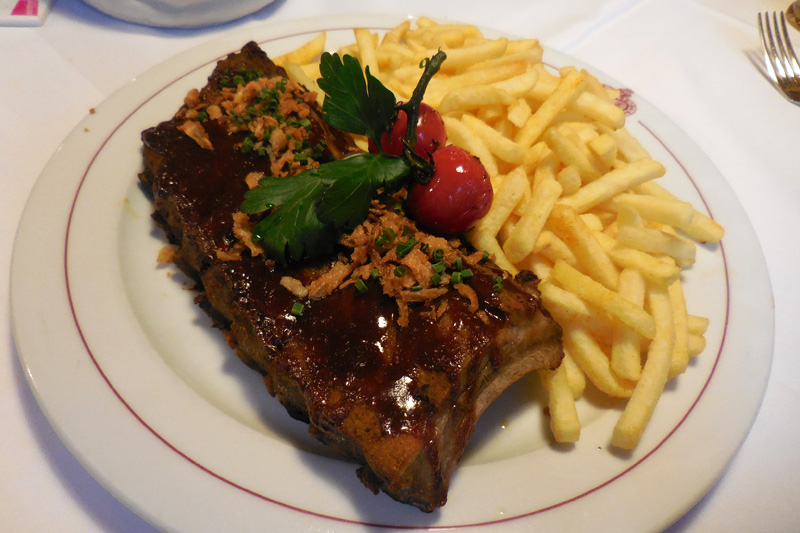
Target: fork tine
x,y
782,55
770,52
788,51
765,49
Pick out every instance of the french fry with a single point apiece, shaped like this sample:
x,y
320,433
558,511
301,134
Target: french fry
x,y
575,377
610,301
592,258
463,99
306,53
553,248
636,415
397,34
564,421
614,182
570,154
626,359
595,364
566,91
680,319
522,240
502,147
671,212
697,325
460,58
366,49
695,345
658,242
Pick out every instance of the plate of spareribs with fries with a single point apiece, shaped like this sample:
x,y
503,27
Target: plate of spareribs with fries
x,y
261,313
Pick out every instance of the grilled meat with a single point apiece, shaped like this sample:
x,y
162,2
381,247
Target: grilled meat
x,y
400,400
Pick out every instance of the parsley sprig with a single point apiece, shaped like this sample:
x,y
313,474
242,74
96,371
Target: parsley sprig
x,y
305,213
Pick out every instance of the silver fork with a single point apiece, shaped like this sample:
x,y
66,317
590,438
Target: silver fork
x,y
779,55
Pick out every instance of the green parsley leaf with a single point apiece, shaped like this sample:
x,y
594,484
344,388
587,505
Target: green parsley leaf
x,y
353,104
317,204
346,202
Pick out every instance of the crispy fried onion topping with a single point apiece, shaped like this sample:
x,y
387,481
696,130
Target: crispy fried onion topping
x,y
412,266
273,111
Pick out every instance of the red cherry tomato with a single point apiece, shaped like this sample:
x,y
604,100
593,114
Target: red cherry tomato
x,y
457,196
431,133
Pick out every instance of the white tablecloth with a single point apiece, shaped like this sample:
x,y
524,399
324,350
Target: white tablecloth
x,y
691,58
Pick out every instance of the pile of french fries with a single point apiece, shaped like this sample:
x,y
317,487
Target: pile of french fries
x,y
576,202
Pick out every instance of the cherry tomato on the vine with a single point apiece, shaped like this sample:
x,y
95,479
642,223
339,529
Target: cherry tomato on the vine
x,y
431,133
457,196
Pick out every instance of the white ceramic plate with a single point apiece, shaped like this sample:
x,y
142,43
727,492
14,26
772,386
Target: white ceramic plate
x,y
155,405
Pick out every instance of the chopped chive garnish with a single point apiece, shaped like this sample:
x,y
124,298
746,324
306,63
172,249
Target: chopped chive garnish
x,y
424,247
436,278
361,286
406,231
416,288
202,115
486,256
498,284
439,267
403,248
459,264
455,278
437,255
466,273
397,208
400,271
374,273
247,144
297,309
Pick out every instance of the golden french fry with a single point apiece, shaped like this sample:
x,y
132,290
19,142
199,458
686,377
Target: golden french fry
x,y
553,248
306,53
575,376
519,112
571,154
658,242
653,269
630,426
695,345
398,33
593,292
571,311
570,179
595,364
522,240
366,49
592,258
614,182
626,359
564,421
474,97
518,86
680,349
460,58
502,147
605,148
703,229
697,325
563,94
439,87
666,211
